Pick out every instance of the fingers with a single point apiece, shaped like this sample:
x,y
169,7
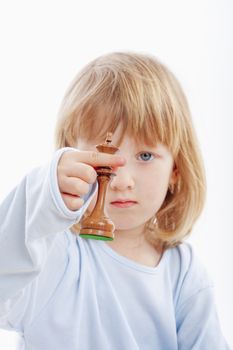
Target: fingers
x,y
78,170
71,190
72,202
99,159
73,186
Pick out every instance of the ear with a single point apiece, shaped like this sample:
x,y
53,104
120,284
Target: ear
x,y
174,175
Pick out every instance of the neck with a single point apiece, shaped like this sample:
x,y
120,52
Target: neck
x,y
134,245
131,239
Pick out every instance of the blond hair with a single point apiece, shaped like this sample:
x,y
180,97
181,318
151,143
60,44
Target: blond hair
x,y
139,92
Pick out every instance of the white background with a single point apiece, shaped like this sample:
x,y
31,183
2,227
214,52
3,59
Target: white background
x,y
44,44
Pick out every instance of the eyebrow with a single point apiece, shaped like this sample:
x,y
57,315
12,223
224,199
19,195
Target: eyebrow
x,y
155,147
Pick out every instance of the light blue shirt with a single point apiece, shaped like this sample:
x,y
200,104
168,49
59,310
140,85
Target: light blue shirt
x,y
61,292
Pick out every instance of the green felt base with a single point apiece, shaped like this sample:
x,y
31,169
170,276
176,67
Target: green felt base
x,y
101,238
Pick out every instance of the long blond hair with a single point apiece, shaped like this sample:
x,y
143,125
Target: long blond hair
x,y
142,94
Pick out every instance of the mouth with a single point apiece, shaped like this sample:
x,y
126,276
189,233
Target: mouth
x,y
123,203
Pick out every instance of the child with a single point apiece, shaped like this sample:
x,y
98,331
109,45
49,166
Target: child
x,y
146,289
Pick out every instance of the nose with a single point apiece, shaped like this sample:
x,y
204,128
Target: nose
x,y
123,179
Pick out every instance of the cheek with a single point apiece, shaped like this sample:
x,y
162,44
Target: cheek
x,y
155,187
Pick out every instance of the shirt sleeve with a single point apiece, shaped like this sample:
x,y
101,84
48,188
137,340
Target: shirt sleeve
x,y
198,325
31,218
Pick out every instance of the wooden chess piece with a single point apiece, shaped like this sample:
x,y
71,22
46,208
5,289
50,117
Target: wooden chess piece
x,y
98,225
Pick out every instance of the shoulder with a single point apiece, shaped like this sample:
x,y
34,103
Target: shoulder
x,y
187,273
184,262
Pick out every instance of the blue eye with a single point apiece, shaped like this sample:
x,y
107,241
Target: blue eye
x,y
146,156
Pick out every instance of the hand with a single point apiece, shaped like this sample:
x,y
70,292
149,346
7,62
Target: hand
x,y
76,171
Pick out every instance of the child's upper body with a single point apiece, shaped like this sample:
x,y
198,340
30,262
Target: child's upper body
x,y
144,290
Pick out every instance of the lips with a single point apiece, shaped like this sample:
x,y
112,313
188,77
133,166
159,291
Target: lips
x,y
126,203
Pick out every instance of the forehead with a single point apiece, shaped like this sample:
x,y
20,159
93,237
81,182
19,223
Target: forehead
x,y
93,124
127,145
119,137
97,120
96,127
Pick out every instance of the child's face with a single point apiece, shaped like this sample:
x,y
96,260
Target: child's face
x,y
143,182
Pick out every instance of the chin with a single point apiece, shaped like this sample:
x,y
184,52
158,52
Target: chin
x,y
123,227
126,226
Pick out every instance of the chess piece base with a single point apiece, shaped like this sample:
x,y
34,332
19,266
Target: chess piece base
x,y
96,234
